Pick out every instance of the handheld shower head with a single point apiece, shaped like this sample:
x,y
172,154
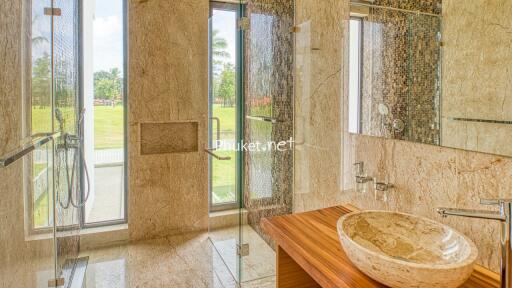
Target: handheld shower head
x,y
58,115
81,116
60,118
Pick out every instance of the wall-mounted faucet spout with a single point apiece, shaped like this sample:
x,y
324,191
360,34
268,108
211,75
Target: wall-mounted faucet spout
x,y
504,216
470,213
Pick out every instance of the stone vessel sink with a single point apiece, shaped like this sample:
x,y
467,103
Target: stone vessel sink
x,y
402,250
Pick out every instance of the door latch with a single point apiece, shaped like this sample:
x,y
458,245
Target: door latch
x,y
49,11
59,282
244,24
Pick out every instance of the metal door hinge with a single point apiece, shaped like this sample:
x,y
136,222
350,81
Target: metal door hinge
x,y
48,11
244,24
59,282
243,250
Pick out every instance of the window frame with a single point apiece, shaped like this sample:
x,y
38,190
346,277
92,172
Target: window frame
x,y
359,72
124,220
232,7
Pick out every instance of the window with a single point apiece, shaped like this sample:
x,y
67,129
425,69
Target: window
x,y
39,87
355,62
104,97
223,110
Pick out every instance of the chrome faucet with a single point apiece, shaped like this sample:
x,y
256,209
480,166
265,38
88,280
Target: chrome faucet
x,y
504,216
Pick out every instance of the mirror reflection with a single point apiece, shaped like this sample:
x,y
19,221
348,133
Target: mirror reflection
x,y
434,72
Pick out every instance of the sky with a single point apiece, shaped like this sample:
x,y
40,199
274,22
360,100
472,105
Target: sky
x,y
108,35
225,23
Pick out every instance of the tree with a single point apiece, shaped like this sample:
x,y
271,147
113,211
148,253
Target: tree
x,y
219,51
227,87
107,85
219,46
42,82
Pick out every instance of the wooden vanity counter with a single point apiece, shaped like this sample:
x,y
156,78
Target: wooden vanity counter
x,y
309,253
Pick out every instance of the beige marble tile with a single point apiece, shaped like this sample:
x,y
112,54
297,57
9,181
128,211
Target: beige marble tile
x,y
260,263
168,80
187,260
318,101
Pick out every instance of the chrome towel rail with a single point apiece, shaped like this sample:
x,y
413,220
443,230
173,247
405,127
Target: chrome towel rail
x,y
480,120
263,118
38,140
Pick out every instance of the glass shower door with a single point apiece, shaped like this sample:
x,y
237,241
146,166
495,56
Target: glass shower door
x,y
268,126
224,129
67,157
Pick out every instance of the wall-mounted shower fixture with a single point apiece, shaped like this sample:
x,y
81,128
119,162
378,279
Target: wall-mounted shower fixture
x,y
72,143
398,125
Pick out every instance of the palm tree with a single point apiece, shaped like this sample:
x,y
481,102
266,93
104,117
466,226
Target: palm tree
x,y
37,40
219,46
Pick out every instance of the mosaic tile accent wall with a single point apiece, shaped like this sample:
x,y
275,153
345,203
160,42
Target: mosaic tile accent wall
x,y
268,92
401,70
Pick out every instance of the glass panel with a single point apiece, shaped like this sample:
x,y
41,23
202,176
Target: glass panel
x,y
42,183
224,222
268,99
40,88
103,48
25,110
68,154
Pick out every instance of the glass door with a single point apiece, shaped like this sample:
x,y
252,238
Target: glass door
x,y
67,119
224,129
268,127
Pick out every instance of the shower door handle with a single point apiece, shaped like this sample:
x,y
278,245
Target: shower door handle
x,y
210,151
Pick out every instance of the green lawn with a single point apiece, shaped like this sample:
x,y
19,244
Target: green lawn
x,y
224,172
108,127
227,116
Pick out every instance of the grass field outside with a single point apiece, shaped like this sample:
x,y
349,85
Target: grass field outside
x,y
108,125
224,172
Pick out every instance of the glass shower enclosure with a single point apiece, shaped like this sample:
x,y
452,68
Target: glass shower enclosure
x,y
39,164
253,177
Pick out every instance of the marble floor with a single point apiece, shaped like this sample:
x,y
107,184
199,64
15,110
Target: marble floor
x,y
258,264
188,260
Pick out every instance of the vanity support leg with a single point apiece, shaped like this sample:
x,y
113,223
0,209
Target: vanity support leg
x,y
290,274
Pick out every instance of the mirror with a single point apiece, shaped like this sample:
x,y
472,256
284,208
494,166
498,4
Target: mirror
x,y
435,72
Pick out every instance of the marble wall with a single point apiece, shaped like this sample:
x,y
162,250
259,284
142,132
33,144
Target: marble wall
x,y
168,56
318,101
425,177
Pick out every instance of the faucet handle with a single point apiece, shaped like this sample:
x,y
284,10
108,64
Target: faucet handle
x,y
359,166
